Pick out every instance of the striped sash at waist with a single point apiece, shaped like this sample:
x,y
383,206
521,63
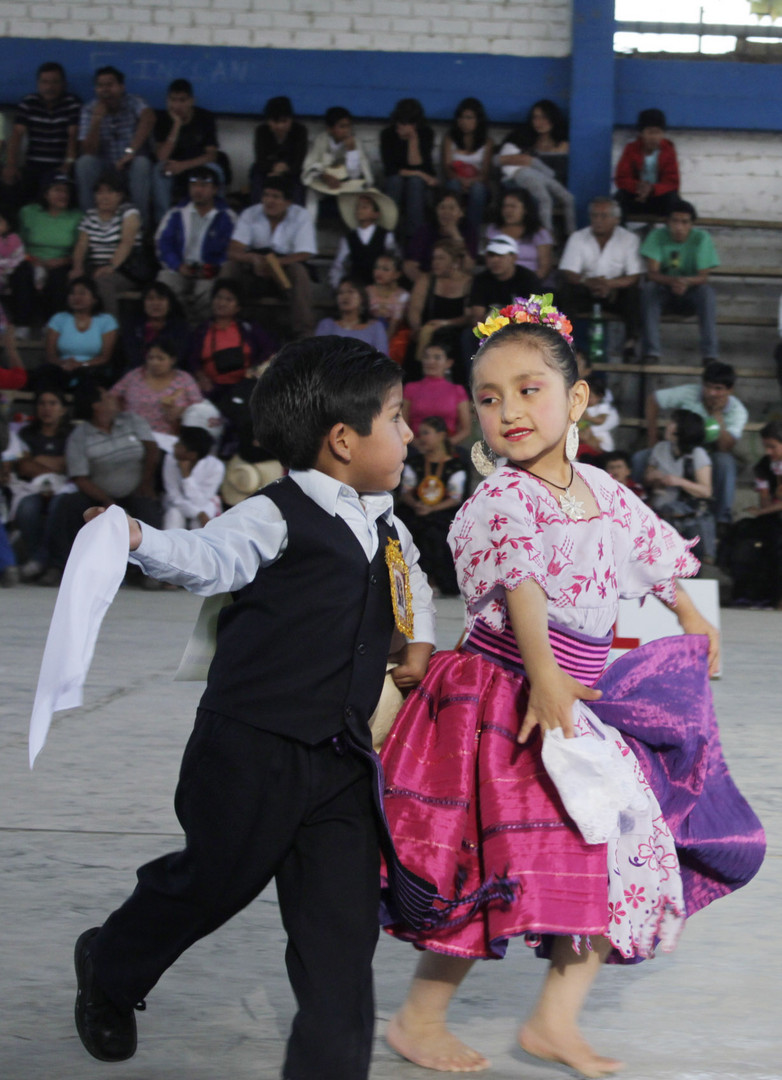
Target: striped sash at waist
x,y
579,655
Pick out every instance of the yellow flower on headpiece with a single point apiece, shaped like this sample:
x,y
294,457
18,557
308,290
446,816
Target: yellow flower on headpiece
x,y
492,325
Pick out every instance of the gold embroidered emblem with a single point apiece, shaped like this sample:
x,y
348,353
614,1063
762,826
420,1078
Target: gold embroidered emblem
x,y
401,594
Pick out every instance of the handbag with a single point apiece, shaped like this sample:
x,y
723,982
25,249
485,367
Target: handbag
x,y
227,360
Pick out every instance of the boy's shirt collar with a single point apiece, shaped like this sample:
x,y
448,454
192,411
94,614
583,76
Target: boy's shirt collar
x,y
326,491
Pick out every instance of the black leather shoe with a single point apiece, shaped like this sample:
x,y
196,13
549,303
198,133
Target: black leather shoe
x,y
108,1033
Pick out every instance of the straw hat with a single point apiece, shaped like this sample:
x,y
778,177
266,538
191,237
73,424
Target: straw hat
x,y
339,172
347,202
243,478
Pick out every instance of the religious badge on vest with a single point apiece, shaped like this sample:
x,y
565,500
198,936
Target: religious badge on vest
x,y
401,594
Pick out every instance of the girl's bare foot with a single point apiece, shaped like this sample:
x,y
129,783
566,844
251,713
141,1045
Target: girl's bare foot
x,y
566,1047
431,1045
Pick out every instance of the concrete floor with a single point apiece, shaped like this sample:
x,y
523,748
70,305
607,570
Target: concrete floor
x,y
100,802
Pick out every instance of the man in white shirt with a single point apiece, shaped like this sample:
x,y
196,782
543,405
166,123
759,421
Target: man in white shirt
x,y
278,227
602,265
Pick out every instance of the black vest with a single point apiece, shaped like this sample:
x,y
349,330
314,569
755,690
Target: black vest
x,y
363,256
302,650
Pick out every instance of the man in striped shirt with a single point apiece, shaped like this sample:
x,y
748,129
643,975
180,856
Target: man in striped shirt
x,y
49,119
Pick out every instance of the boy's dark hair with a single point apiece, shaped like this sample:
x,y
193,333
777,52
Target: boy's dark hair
x,y
651,118
681,206
335,114
88,394
278,108
109,69
110,179
772,430
719,374
181,86
50,65
616,455
283,184
196,440
408,111
313,384
690,430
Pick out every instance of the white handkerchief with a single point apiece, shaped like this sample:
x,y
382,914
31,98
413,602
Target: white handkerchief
x,y
93,573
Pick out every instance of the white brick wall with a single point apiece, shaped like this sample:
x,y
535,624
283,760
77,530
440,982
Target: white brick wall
x,y
507,27
727,173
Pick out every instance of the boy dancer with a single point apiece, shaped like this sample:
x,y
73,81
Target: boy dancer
x,y
276,780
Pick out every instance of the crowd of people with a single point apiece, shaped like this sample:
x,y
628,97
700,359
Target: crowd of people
x,y
111,197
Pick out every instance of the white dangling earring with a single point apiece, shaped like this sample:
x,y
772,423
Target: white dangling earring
x,y
483,458
571,443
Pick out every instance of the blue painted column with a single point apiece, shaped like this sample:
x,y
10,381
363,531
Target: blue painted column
x,y
591,101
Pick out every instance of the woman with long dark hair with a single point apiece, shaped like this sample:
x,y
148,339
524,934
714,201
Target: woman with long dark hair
x,y
517,217
466,158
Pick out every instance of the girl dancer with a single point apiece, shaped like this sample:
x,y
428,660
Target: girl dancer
x,y
543,551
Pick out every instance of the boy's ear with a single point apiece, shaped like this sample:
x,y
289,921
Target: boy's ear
x,y
340,442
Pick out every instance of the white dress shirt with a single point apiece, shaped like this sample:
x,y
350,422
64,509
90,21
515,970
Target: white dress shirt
x,y
620,255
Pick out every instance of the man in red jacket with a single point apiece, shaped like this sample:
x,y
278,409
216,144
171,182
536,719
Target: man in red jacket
x,y
647,175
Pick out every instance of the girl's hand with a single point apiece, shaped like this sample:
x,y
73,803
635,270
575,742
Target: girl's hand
x,y
133,525
551,703
692,622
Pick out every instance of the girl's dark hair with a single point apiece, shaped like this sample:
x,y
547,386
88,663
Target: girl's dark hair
x,y
230,286
111,180
436,423
313,384
532,222
441,198
335,114
361,289
59,393
392,257
690,430
554,115
557,354
52,181
597,381
408,111
197,440
470,104
167,344
455,249
159,288
772,430
88,283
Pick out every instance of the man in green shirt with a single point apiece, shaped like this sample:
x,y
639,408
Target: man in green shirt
x,y
678,260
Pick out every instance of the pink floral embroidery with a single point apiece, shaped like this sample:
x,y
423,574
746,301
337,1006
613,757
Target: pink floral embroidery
x,y
616,912
497,522
635,895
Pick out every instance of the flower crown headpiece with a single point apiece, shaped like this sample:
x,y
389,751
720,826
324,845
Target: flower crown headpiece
x,y
532,309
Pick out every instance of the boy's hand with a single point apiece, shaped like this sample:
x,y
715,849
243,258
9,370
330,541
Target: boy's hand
x,y
413,661
133,525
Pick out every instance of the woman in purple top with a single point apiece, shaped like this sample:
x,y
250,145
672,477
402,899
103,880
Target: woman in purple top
x,y
518,218
353,317
450,224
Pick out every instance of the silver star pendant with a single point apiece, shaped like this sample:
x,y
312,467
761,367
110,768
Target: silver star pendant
x,y
571,507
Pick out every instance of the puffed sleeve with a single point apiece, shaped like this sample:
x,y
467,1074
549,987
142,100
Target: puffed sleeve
x,y
650,554
496,545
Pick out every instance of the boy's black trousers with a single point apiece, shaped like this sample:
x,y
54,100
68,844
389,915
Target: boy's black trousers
x,y
256,806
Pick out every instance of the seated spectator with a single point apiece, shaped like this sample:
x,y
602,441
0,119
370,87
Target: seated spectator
x,y
549,137
184,136
450,224
280,149
434,486
192,243
39,475
114,131
647,175
598,422
602,265
678,476
502,280
12,282
9,571
438,301
353,319
406,148
678,260
275,226
370,218
435,395
466,156
388,303
521,166
111,458
78,341
752,552
14,376
518,217
49,230
109,244
227,348
192,476
725,418
618,465
49,122
161,317
336,161
158,392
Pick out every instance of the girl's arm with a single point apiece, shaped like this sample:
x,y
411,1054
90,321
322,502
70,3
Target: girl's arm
x,y
692,622
130,227
552,691
108,340
79,255
700,487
